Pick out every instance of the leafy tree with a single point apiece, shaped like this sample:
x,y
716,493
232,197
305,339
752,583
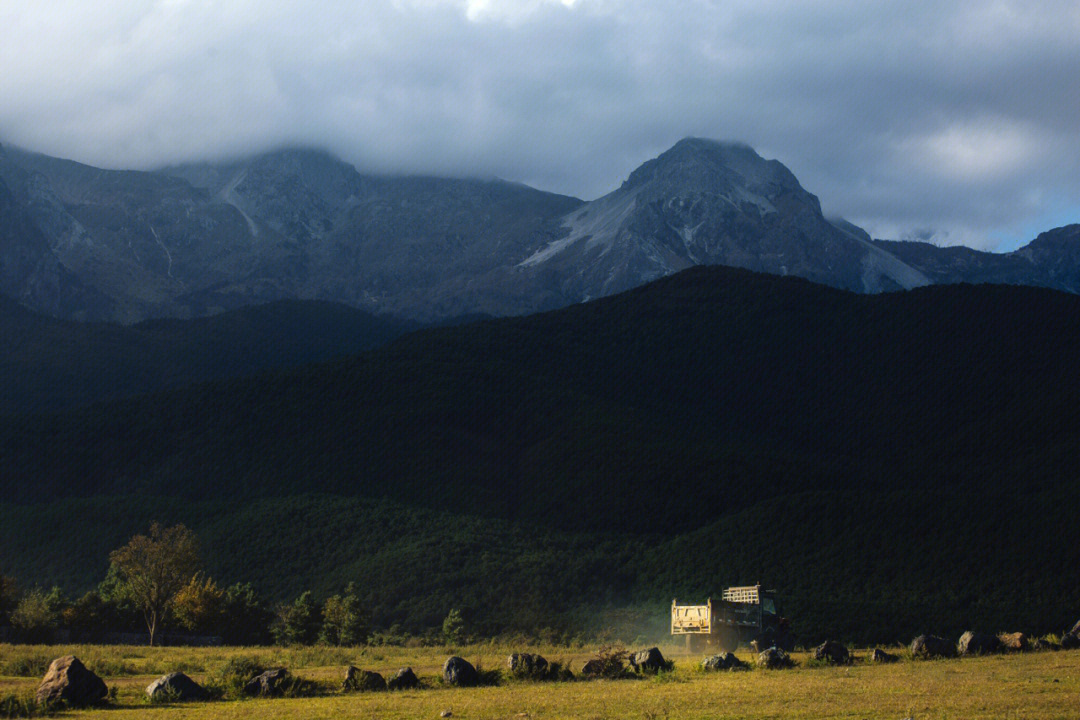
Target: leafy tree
x,y
92,612
296,622
152,569
344,621
199,605
35,617
453,627
245,620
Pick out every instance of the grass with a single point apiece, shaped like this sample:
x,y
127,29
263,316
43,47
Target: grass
x,y
1033,685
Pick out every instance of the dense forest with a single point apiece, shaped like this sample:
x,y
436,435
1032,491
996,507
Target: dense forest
x,y
891,464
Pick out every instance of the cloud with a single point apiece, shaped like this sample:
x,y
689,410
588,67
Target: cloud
x,y
902,116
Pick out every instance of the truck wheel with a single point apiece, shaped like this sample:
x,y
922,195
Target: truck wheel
x,y
727,639
695,643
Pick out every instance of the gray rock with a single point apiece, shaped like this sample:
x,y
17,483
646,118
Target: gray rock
x,y
527,665
774,659
458,671
178,687
723,661
404,679
650,661
362,680
69,681
832,652
592,668
976,643
1070,641
1042,645
877,655
268,684
926,647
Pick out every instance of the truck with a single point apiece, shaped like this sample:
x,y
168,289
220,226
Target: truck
x,y
743,615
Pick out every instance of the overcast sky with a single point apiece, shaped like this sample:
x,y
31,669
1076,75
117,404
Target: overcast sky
x,y
953,120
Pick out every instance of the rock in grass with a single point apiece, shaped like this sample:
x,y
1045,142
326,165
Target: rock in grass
x,y
177,687
404,679
528,666
926,647
1014,642
1040,644
357,680
723,661
460,672
68,680
269,684
774,659
880,656
649,661
832,652
976,643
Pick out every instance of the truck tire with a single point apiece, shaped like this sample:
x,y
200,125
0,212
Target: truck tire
x,y
696,642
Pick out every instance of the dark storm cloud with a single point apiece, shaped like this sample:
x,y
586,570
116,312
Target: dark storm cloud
x,y
902,116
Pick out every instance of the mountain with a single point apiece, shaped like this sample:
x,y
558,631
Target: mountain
x,y
50,364
709,203
1050,260
894,463
85,243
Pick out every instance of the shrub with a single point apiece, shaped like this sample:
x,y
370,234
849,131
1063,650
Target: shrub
x,y
25,706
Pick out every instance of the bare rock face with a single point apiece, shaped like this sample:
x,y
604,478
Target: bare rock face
x,y
404,679
832,652
460,672
358,680
927,647
527,665
649,661
177,686
1014,642
723,661
69,681
774,659
877,655
975,643
268,684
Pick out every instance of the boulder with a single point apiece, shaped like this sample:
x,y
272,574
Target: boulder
x,y
926,647
268,684
774,659
880,656
649,661
976,643
177,687
458,671
723,661
68,680
1075,629
832,652
1041,645
1070,641
404,679
362,680
527,665
1014,642
593,668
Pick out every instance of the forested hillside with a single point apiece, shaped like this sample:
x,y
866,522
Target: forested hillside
x,y
890,463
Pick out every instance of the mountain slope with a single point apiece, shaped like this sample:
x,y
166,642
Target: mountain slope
x,y
709,203
906,456
49,364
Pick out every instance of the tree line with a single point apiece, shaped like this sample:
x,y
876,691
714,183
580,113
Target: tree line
x,y
156,582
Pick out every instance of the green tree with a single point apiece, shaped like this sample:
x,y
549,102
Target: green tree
x,y
344,621
9,594
296,623
152,569
453,627
245,620
35,617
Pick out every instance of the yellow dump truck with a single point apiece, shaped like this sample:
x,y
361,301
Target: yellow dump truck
x,y
743,615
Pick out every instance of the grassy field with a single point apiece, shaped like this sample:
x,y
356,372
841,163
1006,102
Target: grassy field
x,y
1035,685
